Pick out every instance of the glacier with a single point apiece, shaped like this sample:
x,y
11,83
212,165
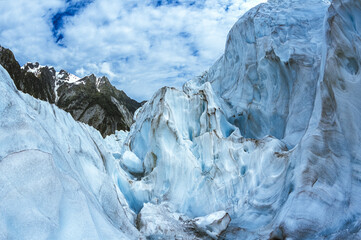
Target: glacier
x,y
54,180
264,145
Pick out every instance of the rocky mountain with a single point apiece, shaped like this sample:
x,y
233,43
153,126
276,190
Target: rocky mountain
x,y
40,85
265,145
91,100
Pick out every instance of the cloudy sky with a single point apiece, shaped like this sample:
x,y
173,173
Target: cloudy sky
x,y
140,45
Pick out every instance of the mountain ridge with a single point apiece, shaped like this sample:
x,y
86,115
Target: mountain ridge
x,y
89,99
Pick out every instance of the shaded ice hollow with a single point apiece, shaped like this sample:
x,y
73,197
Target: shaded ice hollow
x,y
264,145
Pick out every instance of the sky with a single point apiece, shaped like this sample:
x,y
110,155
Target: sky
x,y
140,46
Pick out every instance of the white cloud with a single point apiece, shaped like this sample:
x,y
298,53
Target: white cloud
x,y
139,46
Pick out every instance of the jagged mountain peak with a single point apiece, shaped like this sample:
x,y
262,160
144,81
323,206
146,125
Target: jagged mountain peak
x,y
92,100
65,76
30,66
8,61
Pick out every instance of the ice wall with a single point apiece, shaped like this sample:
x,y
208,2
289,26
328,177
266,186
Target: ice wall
x,y
54,175
270,134
268,73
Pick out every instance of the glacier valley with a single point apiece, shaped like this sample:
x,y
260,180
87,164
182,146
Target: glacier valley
x,y
264,145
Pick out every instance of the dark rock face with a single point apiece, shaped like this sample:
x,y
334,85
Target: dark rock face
x,y
7,60
39,85
96,102
91,100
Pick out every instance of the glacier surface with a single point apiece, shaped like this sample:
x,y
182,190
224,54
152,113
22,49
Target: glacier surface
x,y
263,145
54,178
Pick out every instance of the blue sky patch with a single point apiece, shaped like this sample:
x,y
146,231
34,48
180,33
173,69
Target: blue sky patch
x,y
58,20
